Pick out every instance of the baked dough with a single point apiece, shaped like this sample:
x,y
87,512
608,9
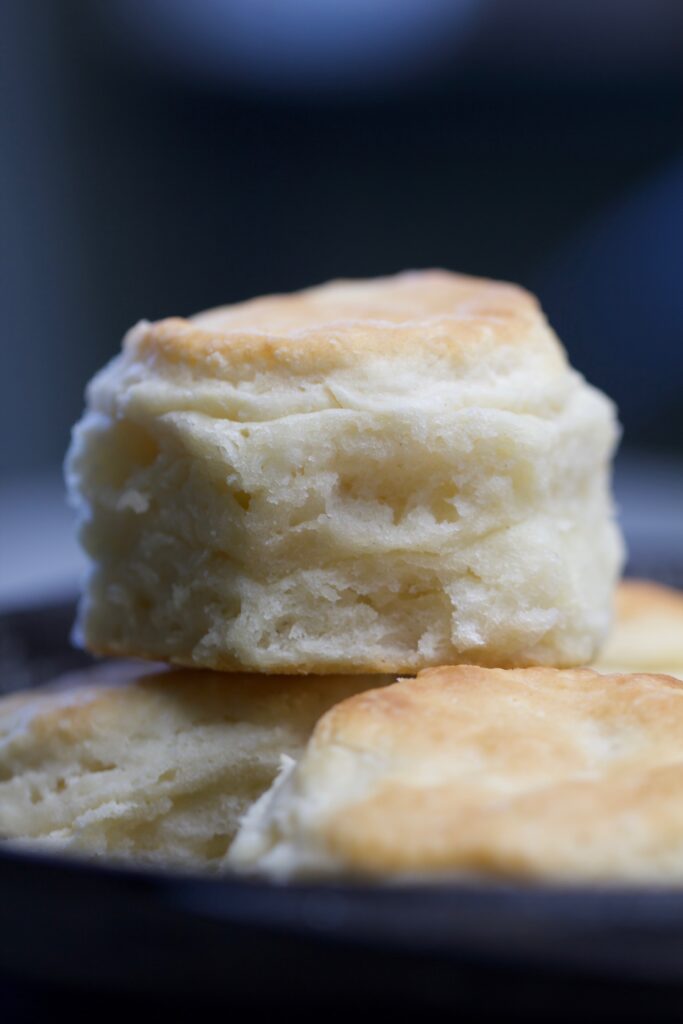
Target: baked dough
x,y
154,767
369,476
528,774
648,630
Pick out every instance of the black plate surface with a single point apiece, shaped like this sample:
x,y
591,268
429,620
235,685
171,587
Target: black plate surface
x,y
120,942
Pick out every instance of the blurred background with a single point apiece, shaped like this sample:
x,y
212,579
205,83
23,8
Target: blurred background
x,y
161,156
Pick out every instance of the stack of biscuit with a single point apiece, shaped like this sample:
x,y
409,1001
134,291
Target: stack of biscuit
x,y
368,529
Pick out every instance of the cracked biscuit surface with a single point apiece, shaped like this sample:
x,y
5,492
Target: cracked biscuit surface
x,y
369,476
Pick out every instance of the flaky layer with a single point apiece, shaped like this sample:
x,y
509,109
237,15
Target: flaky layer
x,y
466,771
409,475
156,767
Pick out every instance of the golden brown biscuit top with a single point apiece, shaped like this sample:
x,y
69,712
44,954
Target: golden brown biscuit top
x,y
530,772
412,296
508,712
334,324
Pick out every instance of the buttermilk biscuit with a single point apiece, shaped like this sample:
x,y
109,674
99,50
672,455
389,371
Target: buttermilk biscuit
x,y
648,632
529,774
157,768
363,477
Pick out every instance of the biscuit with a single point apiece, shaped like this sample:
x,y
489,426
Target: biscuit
x,y
155,767
648,631
367,476
528,774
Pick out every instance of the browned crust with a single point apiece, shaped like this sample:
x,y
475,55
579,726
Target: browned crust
x,y
561,763
338,323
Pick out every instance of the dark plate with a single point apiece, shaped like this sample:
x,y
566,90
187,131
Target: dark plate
x,y
149,941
